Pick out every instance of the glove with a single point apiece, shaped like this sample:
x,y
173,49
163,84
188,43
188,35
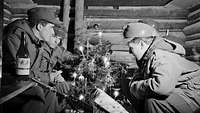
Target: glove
x,y
56,77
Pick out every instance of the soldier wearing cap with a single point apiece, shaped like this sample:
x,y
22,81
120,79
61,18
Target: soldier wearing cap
x,y
166,82
40,38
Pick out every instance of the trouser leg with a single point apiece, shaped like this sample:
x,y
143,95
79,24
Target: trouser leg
x,y
173,104
51,103
157,106
33,106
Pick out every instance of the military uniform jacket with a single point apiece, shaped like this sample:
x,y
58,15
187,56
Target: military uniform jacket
x,y
164,71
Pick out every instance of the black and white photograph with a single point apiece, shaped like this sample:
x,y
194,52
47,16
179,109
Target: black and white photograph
x,y
100,56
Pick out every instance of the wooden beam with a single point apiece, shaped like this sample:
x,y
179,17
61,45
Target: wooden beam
x,y
66,19
137,12
79,10
66,11
109,23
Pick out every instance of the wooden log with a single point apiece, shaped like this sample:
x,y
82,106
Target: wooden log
x,y
192,43
99,3
192,29
124,48
22,8
66,19
192,50
138,12
194,15
109,23
116,38
194,8
6,21
124,57
66,11
19,16
125,2
195,58
19,1
193,21
79,9
192,37
7,14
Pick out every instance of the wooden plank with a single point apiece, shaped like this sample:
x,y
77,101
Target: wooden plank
x,y
138,12
192,37
110,23
192,29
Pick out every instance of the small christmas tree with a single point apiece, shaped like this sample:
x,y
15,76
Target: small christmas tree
x,y
95,69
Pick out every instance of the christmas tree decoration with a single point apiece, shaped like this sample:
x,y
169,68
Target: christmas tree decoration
x,y
95,71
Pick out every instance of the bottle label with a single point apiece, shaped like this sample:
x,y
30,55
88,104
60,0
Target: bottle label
x,y
23,66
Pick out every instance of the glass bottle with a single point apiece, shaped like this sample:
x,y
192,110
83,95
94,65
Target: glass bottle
x,y
22,58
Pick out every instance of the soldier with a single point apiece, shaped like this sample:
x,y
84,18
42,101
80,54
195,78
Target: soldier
x,y
40,38
167,82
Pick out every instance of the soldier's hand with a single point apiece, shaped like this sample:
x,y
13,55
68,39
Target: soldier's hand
x,y
56,76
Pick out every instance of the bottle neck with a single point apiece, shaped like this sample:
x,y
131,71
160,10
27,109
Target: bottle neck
x,y
23,41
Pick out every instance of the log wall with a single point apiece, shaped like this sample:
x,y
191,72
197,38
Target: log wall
x,y
112,20
192,32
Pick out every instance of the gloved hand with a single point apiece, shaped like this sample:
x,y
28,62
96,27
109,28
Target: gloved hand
x,y
56,77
